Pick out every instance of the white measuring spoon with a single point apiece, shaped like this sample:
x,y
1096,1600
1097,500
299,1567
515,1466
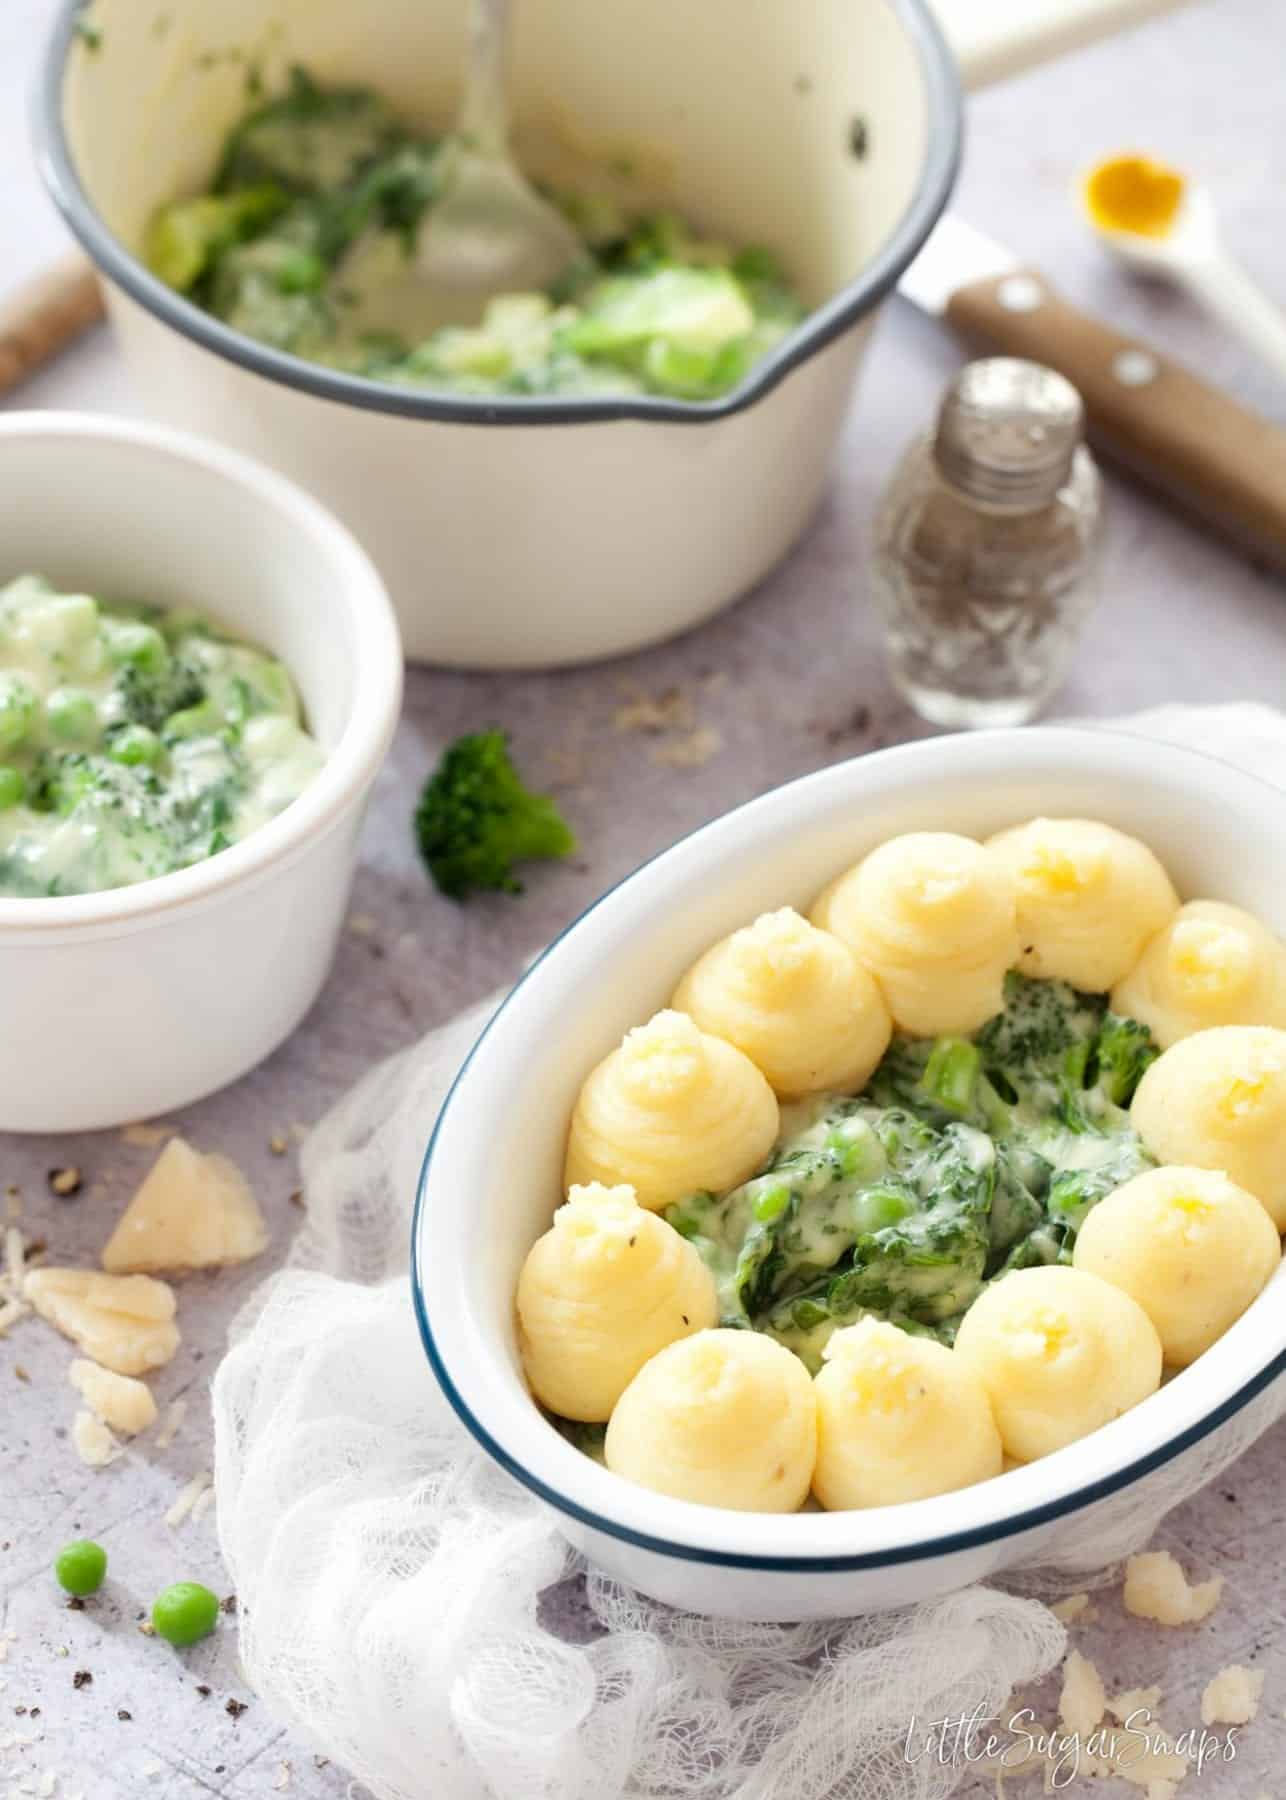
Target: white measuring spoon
x,y
1189,251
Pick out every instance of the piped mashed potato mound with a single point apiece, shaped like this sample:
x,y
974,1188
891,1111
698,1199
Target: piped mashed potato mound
x,y
671,1109
602,1291
1060,1353
795,1000
1190,1246
1217,1100
725,1418
898,1418
1089,898
932,916
1211,965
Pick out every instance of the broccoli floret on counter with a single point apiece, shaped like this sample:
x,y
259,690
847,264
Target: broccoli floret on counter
x,y
475,819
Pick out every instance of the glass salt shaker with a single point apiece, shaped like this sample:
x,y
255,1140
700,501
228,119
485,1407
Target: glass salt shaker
x,y
985,559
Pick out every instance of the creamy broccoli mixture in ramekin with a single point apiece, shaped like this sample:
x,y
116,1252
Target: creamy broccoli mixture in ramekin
x,y
133,741
306,242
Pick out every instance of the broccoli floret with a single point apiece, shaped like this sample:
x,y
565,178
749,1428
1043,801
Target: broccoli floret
x,y
1122,1053
475,819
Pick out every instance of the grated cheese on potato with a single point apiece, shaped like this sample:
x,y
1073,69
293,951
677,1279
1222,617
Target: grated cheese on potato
x,y
120,1401
1232,1697
192,1211
1157,1588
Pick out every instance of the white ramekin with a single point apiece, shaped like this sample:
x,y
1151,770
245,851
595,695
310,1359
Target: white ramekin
x,y
492,1174
129,1003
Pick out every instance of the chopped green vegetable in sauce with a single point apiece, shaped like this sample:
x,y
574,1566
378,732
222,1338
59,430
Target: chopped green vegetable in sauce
x,y
306,239
133,741
475,819
960,1160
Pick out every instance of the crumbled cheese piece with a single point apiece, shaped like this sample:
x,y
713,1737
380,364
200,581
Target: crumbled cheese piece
x,y
94,1443
668,711
278,1143
1134,1700
1070,1608
1083,1700
124,1322
13,1257
282,1778
173,1420
191,1212
144,1136
65,1182
119,1400
48,1782
13,1205
1145,1762
361,924
204,1501
1157,1588
187,1499
1232,1698
689,752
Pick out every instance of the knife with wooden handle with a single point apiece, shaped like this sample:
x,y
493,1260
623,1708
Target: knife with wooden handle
x,y
1148,414
43,315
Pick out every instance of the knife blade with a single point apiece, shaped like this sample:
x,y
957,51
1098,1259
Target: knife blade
x,y
1144,412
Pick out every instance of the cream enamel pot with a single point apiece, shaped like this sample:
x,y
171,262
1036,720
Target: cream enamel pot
x,y
124,1004
492,1177
524,532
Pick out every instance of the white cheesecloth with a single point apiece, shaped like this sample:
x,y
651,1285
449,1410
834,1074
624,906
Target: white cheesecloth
x,y
417,1616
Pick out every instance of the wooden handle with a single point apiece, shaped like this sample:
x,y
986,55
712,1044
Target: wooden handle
x,y
1165,426
44,314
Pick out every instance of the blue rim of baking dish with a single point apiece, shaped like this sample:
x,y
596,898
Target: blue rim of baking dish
x,y
945,116
945,1544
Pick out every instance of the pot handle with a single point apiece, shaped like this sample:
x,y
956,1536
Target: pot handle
x,y
996,38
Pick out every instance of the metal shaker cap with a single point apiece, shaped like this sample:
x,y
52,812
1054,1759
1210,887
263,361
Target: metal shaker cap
x,y
1007,432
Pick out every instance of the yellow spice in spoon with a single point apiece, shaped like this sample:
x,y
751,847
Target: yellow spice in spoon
x,y
1134,194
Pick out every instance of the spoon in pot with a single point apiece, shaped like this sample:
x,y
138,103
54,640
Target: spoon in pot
x,y
1154,221
489,232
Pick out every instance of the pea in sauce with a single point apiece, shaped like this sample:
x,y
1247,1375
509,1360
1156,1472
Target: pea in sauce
x,y
306,242
133,741
961,1160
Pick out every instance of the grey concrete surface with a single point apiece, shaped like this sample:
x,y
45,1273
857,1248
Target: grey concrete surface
x,y
789,680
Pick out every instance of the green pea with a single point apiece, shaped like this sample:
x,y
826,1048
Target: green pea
x,y
879,1207
185,1613
134,745
18,704
79,1567
771,1203
12,787
300,272
201,720
141,646
71,714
